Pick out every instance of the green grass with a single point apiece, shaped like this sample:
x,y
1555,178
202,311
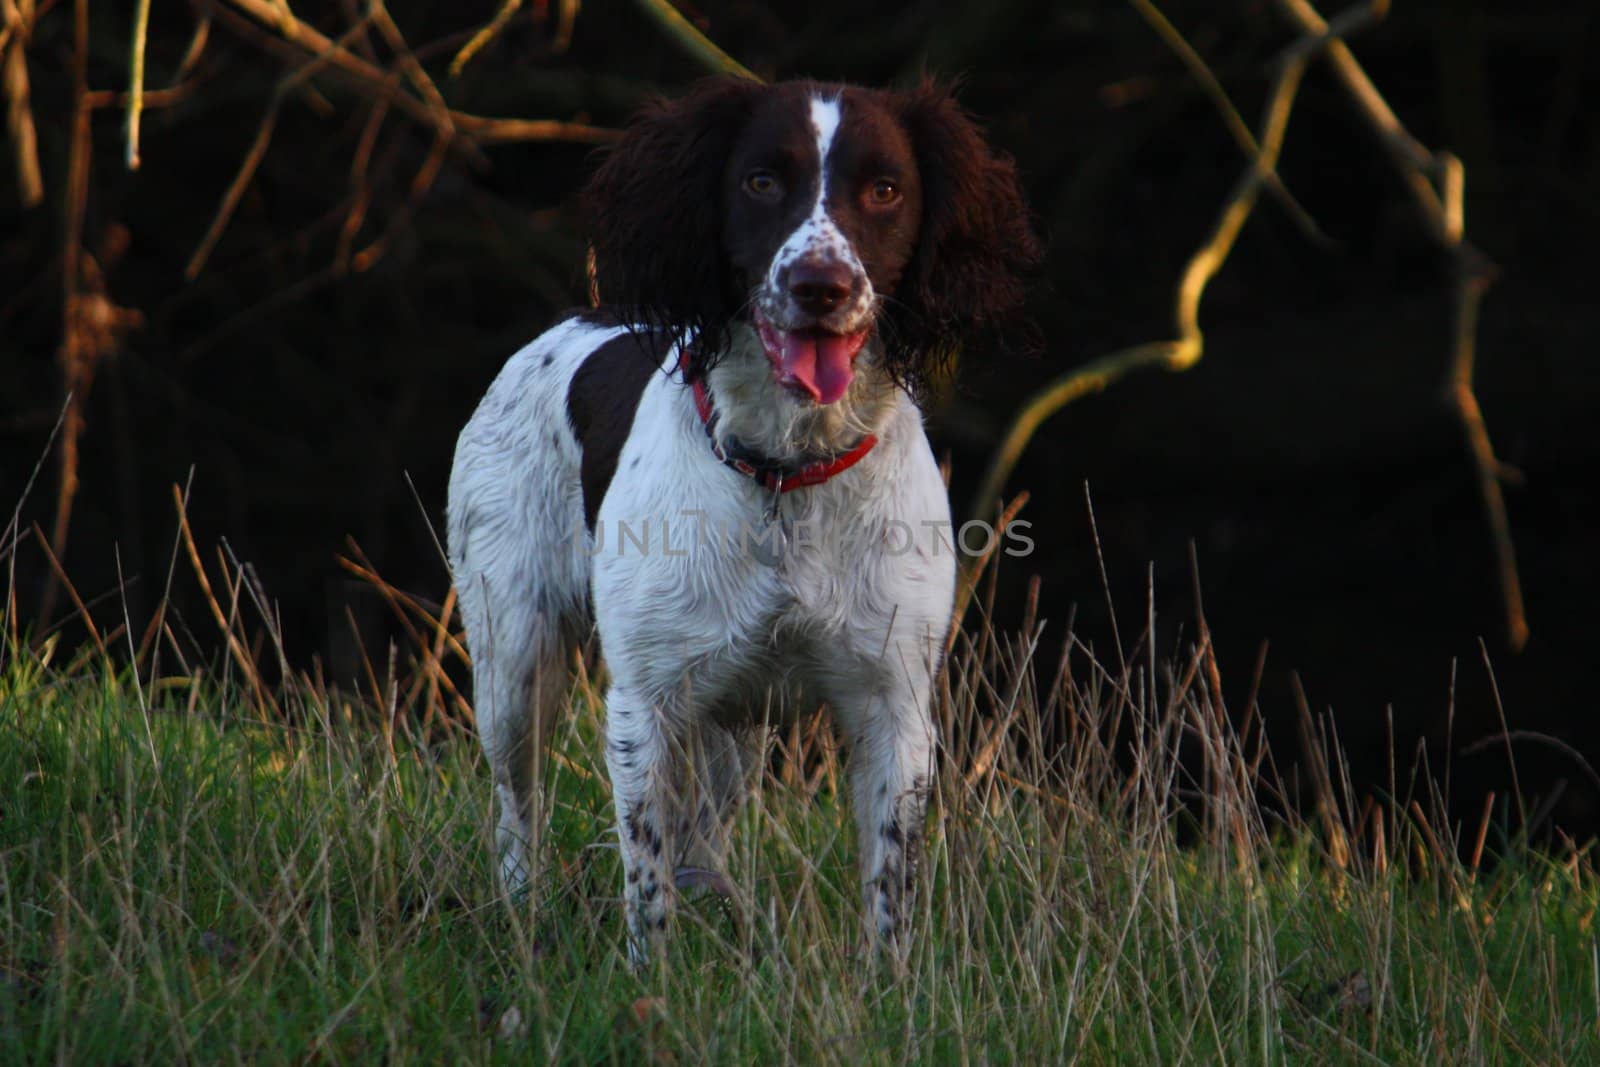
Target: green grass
x,y
186,875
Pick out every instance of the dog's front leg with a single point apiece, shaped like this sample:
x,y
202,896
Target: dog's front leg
x,y
639,759
892,741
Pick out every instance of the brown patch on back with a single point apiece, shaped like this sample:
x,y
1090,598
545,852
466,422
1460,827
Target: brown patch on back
x,y
602,399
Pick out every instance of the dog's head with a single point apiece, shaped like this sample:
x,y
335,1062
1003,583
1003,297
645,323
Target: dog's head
x,y
824,216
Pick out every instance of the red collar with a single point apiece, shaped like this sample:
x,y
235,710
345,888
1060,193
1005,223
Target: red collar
x,y
769,473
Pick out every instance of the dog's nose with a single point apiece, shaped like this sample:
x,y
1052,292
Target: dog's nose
x,y
820,287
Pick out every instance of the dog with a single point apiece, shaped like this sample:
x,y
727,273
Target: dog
x,y
724,470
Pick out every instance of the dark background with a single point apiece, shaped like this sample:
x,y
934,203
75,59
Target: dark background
x,y
1311,459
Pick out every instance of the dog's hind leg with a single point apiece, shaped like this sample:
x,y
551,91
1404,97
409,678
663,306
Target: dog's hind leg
x,y
521,685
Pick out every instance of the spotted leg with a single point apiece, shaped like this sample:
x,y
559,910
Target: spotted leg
x,y
640,761
888,720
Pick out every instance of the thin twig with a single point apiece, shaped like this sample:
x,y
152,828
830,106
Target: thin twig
x,y
486,131
566,19
11,536
149,101
1414,159
1237,127
235,193
692,40
379,14
473,129
197,48
1093,377
360,188
19,111
258,147
489,32
141,28
445,132
1489,469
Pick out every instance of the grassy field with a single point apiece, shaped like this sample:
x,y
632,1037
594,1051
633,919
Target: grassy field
x,y
199,868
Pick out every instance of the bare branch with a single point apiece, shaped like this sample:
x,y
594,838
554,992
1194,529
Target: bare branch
x,y
451,129
486,131
75,360
19,111
1443,211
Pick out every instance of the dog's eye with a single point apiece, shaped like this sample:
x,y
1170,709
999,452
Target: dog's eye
x,y
763,184
883,192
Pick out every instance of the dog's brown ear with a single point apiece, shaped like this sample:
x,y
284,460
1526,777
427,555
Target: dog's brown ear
x,y
977,243
654,210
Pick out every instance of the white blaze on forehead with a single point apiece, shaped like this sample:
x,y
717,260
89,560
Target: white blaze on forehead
x,y
825,123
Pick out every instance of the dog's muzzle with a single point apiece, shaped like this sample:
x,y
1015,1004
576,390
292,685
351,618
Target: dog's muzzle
x,y
814,352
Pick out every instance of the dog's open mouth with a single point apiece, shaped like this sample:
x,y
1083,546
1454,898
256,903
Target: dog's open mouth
x,y
811,362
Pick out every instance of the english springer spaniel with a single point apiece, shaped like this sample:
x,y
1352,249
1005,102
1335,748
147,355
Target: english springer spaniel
x,y
726,471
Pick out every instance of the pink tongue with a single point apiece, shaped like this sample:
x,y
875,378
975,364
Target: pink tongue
x,y
821,363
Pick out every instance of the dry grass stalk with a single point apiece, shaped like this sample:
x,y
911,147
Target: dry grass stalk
x,y
972,572
60,575
430,642
240,655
